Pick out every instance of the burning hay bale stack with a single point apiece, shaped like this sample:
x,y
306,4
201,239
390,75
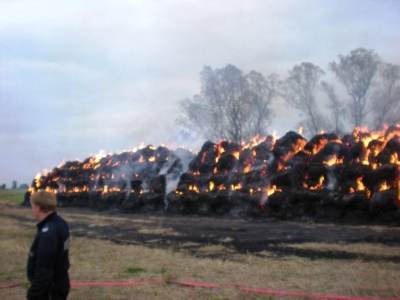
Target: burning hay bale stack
x,y
355,177
132,180
326,177
224,177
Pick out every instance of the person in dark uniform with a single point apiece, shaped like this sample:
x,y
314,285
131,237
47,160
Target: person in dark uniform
x,y
48,261
27,198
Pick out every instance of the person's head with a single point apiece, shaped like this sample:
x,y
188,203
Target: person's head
x,y
43,203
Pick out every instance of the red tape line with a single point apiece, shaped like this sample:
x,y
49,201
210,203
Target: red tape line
x,y
197,284
189,283
279,292
9,285
316,296
77,283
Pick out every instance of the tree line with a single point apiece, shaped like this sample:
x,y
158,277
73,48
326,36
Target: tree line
x,y
364,91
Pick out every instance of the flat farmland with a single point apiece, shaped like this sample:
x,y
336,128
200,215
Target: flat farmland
x,y
353,260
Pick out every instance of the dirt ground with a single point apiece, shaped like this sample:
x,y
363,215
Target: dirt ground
x,y
239,235
344,259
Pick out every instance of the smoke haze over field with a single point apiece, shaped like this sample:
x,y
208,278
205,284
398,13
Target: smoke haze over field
x,y
80,76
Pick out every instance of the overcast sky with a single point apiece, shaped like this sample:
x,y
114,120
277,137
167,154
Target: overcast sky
x,y
80,76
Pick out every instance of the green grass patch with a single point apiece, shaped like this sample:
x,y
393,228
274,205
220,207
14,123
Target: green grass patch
x,y
14,196
134,271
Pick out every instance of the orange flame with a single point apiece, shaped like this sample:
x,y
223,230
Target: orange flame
x,y
194,188
334,160
317,186
236,187
384,186
247,168
211,186
360,184
236,154
394,159
221,187
272,190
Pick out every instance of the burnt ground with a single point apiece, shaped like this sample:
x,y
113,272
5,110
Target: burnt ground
x,y
261,237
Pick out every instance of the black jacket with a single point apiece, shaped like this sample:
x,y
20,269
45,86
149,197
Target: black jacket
x,y
48,261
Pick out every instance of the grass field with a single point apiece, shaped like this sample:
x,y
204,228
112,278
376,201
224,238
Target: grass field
x,y
362,269
13,196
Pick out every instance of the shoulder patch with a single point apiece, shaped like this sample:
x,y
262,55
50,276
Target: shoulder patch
x,y
45,229
66,244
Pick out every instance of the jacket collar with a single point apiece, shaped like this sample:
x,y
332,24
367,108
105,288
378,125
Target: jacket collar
x,y
48,218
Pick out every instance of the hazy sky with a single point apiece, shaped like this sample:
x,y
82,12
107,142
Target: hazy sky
x,y
80,76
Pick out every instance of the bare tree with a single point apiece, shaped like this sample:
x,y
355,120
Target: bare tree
x,y
356,72
261,92
196,117
386,99
230,105
299,91
335,106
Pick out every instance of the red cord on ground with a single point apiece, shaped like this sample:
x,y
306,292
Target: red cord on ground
x,y
9,285
279,292
132,283
199,284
